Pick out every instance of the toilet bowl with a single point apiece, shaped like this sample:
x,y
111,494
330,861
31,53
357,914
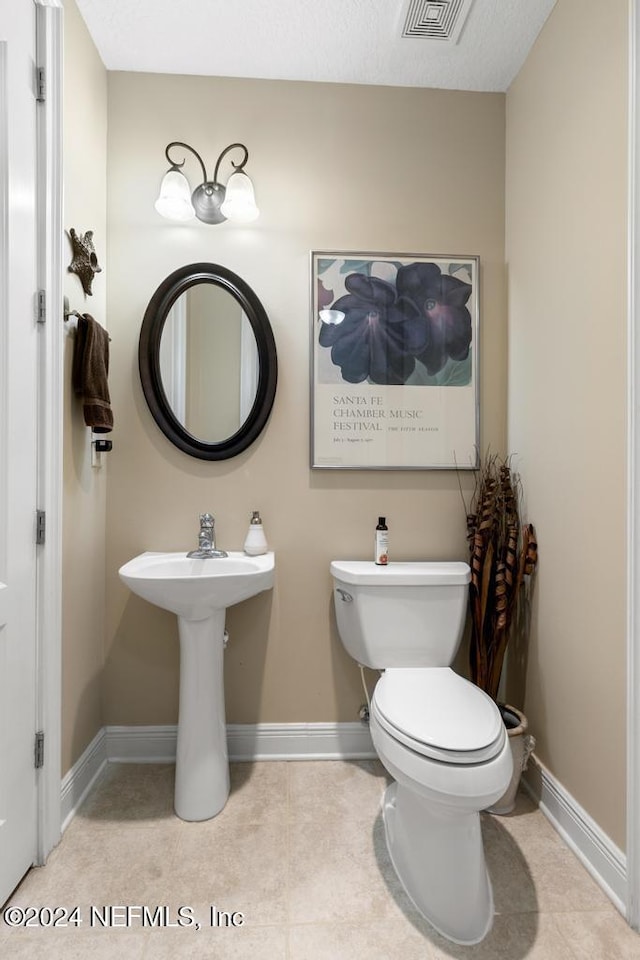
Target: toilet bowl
x,y
440,737
431,811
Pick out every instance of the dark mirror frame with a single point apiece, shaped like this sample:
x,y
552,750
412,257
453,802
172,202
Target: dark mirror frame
x,y
149,360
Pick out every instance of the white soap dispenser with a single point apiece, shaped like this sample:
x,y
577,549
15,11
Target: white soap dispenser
x,y
256,542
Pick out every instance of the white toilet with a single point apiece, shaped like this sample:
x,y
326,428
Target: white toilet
x,y
440,737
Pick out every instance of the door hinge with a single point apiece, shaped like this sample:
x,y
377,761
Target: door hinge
x,y
39,750
41,89
41,524
42,307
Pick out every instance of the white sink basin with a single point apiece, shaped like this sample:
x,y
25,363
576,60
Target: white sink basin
x,y
199,591
193,588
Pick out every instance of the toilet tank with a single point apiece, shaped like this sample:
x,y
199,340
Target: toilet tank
x,y
403,614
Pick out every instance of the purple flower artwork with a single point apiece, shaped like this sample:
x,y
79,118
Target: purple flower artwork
x,y
397,322
394,361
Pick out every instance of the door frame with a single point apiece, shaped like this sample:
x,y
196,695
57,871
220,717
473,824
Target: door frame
x,y
49,53
633,481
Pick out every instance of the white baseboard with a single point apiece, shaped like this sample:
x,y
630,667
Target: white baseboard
x,y
248,741
81,778
606,863
141,744
300,741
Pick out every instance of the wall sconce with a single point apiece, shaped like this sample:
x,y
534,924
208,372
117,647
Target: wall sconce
x,y
211,202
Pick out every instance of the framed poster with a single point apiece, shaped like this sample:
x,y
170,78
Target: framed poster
x,y
394,361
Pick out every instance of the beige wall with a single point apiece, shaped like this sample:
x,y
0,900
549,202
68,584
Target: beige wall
x,y
84,494
335,167
566,259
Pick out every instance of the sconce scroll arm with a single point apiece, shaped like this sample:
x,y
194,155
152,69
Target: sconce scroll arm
x,y
238,167
174,163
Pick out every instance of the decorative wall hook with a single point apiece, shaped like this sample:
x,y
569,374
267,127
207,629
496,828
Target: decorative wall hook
x,y
85,262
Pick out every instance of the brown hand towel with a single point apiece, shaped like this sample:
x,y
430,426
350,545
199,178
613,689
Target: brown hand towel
x,y
90,372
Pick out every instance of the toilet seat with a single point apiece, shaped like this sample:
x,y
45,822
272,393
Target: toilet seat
x,y
438,714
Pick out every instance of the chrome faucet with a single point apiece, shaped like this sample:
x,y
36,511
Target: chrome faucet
x,y
207,540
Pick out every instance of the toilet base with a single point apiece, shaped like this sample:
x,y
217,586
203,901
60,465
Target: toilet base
x,y
438,856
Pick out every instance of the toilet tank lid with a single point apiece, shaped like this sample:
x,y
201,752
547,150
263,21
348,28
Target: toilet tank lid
x,y
400,573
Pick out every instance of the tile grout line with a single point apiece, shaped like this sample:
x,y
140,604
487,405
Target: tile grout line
x,y
288,867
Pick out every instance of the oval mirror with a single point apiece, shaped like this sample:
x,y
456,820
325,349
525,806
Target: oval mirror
x,y
207,361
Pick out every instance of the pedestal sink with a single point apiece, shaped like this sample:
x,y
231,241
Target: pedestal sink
x,y
198,592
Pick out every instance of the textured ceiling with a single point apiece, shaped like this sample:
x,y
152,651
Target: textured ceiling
x,y
345,41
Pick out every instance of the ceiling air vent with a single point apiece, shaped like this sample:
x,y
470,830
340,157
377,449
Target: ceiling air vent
x,y
436,19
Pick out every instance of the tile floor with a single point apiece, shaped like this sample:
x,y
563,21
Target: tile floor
x,y
299,850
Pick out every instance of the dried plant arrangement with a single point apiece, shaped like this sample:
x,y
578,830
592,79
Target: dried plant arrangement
x,y
503,555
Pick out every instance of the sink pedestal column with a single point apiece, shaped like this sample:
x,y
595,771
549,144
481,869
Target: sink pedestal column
x,y
202,765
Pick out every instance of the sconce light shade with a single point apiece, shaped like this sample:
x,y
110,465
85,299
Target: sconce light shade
x,y
240,202
174,200
333,317
210,202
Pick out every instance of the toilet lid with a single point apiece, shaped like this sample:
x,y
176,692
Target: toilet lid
x,y
439,714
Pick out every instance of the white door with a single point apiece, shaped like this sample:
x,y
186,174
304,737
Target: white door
x,y
18,436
